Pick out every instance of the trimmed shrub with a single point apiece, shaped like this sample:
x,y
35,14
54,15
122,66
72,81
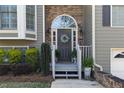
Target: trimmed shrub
x,y
4,69
2,55
19,69
32,57
14,56
45,57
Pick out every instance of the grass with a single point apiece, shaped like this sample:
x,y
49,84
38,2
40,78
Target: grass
x,y
24,85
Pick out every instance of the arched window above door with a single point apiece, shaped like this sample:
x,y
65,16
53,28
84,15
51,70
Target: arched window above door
x,y
64,21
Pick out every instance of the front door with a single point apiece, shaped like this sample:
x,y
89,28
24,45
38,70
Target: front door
x,y
64,44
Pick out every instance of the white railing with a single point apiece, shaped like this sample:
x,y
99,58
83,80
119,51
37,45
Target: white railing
x,y
53,61
86,51
79,61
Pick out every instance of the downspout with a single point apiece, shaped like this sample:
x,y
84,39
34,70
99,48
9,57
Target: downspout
x,y
93,39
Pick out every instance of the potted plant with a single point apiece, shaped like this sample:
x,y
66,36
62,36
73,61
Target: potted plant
x,y
87,63
57,54
74,56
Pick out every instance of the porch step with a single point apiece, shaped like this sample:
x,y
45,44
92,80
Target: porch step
x,y
66,75
66,67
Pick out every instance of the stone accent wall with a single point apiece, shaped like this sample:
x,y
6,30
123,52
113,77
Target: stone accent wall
x,y
108,80
52,11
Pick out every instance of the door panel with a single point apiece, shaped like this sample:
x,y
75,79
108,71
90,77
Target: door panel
x,y
65,48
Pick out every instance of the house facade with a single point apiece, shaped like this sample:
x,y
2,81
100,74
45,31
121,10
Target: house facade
x,y
94,31
109,37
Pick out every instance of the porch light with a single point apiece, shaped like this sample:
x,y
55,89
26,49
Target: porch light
x,y
48,30
80,28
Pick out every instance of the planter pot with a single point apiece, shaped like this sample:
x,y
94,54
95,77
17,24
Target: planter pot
x,y
56,59
87,72
74,60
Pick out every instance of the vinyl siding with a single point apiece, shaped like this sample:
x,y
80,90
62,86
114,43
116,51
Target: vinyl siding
x,y
106,38
39,26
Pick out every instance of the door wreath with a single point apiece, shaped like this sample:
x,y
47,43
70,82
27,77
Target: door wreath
x,y
64,38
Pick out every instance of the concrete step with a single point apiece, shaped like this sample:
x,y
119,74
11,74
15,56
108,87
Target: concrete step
x,y
66,75
66,67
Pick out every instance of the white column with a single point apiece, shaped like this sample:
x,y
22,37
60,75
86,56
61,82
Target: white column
x,y
79,61
21,21
53,61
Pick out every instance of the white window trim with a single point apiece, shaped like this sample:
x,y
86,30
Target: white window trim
x,y
111,19
14,46
35,28
8,31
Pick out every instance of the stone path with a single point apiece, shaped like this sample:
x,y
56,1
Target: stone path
x,y
72,83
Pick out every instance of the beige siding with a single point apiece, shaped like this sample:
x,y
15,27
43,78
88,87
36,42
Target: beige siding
x,y
106,38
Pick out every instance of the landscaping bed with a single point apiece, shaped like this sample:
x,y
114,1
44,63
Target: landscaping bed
x,y
23,81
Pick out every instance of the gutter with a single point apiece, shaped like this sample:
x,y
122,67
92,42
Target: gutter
x,y
93,38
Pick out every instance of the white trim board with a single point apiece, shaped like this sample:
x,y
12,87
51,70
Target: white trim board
x,y
14,46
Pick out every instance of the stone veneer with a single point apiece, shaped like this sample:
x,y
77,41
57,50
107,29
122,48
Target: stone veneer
x,y
52,11
108,80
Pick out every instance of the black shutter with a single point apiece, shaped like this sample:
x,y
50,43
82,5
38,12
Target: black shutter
x,y
106,15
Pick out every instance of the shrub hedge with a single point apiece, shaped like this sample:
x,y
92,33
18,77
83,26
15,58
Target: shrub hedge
x,y
2,55
32,57
16,65
14,56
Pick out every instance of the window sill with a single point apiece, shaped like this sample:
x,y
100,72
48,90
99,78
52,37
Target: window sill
x,y
8,31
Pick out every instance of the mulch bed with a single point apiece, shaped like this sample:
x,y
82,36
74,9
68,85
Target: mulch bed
x,y
34,77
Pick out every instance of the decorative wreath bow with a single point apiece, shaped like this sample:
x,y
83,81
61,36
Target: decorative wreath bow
x,y
64,38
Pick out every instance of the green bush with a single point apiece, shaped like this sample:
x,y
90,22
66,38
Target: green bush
x,y
74,53
88,62
15,56
45,57
2,55
32,57
57,53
